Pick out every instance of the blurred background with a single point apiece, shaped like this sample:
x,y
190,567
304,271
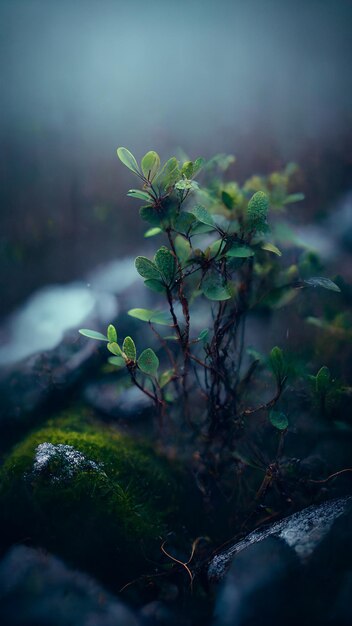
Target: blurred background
x,y
269,81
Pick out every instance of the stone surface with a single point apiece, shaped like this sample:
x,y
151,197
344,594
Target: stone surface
x,y
93,496
123,404
302,531
38,589
259,586
42,353
299,573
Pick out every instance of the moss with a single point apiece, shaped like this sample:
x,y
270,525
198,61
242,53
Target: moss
x,y
91,495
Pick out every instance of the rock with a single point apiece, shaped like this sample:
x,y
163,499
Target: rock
x,y
37,588
259,587
302,531
40,325
298,571
42,353
118,403
341,613
158,614
120,278
114,277
91,495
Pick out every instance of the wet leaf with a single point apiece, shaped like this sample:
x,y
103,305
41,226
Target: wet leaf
x,y
111,333
165,262
184,222
257,211
92,334
187,169
279,420
271,248
277,363
166,377
118,361
215,288
148,362
323,380
151,232
202,215
146,268
294,197
155,285
150,215
169,174
150,164
114,348
239,251
204,335
129,348
139,195
127,158
183,249
319,281
148,315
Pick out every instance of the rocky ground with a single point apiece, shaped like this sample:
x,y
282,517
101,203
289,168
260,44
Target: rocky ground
x,y
87,501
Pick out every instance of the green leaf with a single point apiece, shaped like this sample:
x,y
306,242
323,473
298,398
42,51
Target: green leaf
x,y
146,268
151,232
214,287
187,169
199,229
278,419
92,334
111,333
280,297
148,362
165,262
227,200
185,184
118,361
277,363
323,380
197,165
237,251
150,165
155,285
127,158
217,247
319,281
165,377
184,222
169,174
203,335
150,214
148,315
294,197
257,211
140,195
271,248
129,348
202,215
114,348
183,249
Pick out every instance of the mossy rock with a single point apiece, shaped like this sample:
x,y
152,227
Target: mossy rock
x,y
91,495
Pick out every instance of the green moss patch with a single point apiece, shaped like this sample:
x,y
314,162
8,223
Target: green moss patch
x,y
91,495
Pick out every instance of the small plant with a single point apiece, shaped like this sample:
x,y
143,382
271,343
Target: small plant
x,y
219,264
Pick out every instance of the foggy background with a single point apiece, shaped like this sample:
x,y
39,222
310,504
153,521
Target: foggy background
x,y
269,81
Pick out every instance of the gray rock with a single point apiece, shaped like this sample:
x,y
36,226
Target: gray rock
x,y
302,531
124,404
298,571
41,352
258,588
38,589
